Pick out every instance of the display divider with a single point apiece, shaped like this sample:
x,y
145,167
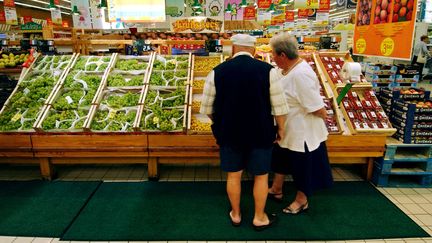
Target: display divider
x,y
103,83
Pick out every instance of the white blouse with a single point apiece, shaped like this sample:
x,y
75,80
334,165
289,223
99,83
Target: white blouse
x,y
302,92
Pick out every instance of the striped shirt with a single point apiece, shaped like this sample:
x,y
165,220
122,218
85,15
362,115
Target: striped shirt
x,y
277,97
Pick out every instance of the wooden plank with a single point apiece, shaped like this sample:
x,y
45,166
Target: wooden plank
x,y
362,142
15,141
17,160
98,160
181,141
114,153
153,173
89,141
347,160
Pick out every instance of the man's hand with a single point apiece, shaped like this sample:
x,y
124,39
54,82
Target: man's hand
x,y
280,135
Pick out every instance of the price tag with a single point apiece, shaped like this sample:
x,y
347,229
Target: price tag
x,y
384,125
373,114
112,114
333,59
365,125
334,45
26,91
69,99
351,115
354,94
16,117
338,67
375,125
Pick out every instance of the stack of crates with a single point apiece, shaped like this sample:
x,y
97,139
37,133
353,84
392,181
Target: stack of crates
x,y
407,75
402,161
380,74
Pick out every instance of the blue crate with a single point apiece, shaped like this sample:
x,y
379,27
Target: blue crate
x,y
407,78
379,69
396,94
411,107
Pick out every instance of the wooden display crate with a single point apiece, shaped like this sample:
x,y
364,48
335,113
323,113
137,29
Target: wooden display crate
x,y
347,58
388,131
208,59
158,58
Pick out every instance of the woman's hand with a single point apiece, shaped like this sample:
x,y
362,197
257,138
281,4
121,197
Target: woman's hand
x,y
321,113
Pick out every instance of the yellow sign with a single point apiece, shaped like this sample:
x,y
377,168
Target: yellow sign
x,y
361,45
196,25
385,28
136,10
387,46
310,4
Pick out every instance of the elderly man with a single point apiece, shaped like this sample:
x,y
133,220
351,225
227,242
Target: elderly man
x,y
243,97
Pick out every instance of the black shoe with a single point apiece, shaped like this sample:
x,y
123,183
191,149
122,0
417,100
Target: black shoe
x,y
235,224
272,219
273,197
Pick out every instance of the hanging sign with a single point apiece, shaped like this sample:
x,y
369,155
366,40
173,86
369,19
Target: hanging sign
x,y
264,17
322,17
278,19
11,16
324,5
136,10
56,16
249,13
31,26
83,20
264,3
341,3
352,4
27,19
196,25
9,3
2,17
312,14
378,33
289,16
174,8
311,4
236,10
214,8
289,26
302,23
302,13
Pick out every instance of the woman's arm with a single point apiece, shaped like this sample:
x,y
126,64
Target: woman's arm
x,y
320,113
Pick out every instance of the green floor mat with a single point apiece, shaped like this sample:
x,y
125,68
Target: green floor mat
x,y
161,211
42,209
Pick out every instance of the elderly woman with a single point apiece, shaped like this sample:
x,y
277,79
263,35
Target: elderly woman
x,y
302,152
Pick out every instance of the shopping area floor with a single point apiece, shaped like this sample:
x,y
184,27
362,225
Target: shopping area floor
x,y
415,202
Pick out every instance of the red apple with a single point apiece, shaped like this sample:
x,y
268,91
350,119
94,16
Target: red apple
x,y
402,12
376,20
377,10
395,18
409,16
396,8
410,4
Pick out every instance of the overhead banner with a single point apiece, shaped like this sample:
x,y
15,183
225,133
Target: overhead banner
x,y
56,16
136,10
196,25
249,13
309,4
174,8
289,16
289,26
10,16
191,12
264,3
83,20
236,11
31,26
312,13
97,15
324,5
278,19
264,17
302,23
378,33
27,19
2,17
214,8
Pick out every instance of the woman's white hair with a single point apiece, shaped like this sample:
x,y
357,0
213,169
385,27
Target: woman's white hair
x,y
285,43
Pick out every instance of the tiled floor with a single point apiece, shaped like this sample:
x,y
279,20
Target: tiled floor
x,y
415,202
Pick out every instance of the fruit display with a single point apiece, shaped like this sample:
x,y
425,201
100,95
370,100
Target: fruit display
x,y
333,65
52,62
364,12
116,112
206,64
198,85
403,10
92,63
11,60
127,64
383,12
65,120
166,98
170,71
121,80
200,124
26,103
156,118
364,112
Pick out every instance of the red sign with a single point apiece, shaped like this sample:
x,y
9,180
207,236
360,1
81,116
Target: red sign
x,y
264,3
324,5
49,22
249,13
289,16
56,2
27,19
2,17
65,24
303,13
9,3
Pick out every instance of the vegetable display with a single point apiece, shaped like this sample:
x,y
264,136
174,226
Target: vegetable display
x,y
169,71
92,63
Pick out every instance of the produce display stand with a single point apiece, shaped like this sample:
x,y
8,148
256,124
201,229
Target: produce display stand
x,y
141,146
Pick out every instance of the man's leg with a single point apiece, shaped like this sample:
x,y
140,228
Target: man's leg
x,y
277,185
260,191
234,192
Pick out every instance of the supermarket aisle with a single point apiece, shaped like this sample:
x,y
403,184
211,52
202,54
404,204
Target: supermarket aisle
x,y
415,202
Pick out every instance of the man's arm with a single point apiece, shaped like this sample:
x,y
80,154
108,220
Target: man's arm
x,y
280,121
209,94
